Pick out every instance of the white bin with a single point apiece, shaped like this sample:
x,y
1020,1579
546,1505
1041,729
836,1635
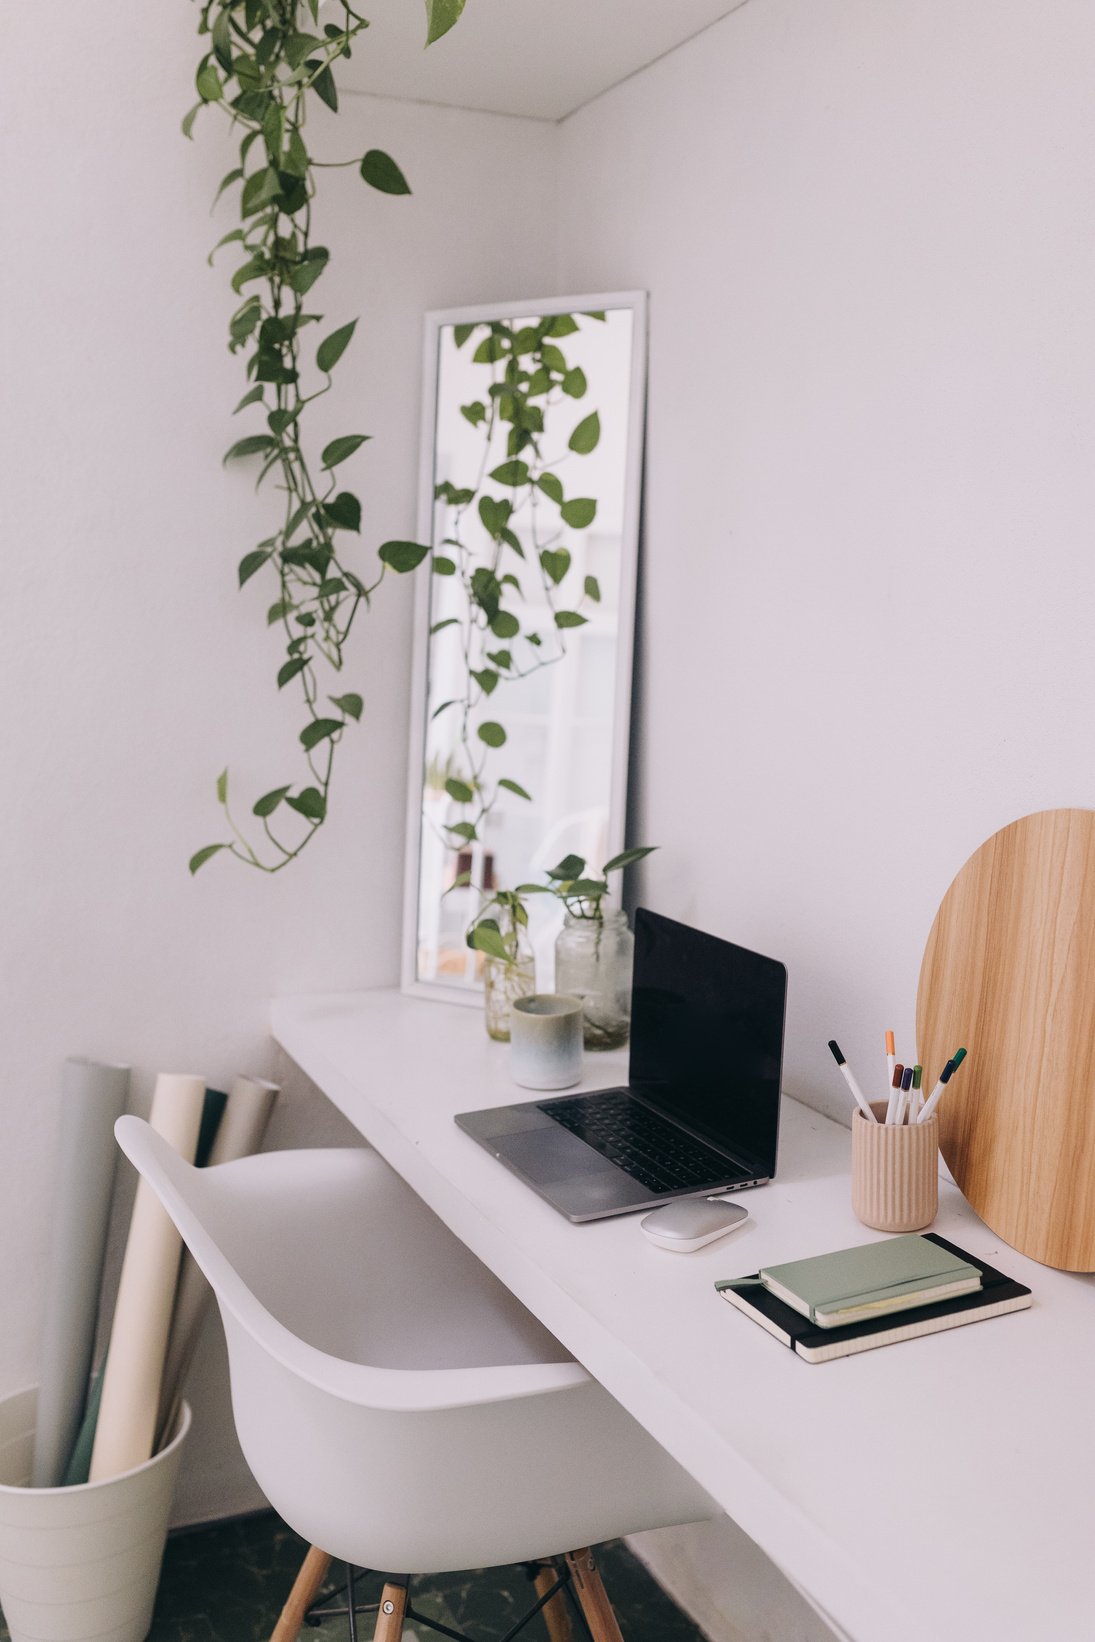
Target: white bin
x,y
80,1563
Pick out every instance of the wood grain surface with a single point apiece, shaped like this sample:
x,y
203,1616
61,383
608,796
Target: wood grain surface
x,y
1009,971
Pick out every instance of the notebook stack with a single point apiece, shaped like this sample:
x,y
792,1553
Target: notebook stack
x,y
857,1299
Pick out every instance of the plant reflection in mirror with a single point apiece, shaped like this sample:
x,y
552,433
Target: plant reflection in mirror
x,y
507,529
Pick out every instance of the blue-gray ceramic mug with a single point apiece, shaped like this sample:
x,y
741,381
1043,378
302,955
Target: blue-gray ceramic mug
x,y
545,1045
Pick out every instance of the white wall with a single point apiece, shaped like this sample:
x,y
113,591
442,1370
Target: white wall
x,y
131,671
869,575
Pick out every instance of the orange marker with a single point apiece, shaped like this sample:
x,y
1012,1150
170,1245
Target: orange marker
x,y
891,1057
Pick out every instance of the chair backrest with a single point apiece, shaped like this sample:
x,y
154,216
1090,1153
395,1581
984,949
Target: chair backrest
x,y
497,1458
252,1228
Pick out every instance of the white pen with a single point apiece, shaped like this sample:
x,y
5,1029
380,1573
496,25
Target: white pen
x,y
857,1093
895,1093
916,1095
944,1078
891,1059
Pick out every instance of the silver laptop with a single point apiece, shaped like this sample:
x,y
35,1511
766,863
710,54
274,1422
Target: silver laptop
x,y
700,1112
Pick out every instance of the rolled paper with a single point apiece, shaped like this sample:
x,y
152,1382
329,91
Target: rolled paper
x,y
241,1129
250,1103
93,1098
212,1112
146,1294
79,1466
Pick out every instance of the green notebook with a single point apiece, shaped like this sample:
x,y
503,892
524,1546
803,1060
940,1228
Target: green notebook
x,y
833,1290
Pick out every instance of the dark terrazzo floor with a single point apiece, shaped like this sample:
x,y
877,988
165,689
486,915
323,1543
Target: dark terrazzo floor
x,y
226,1583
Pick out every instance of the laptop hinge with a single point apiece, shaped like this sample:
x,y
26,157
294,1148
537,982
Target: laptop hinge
x,y
751,1169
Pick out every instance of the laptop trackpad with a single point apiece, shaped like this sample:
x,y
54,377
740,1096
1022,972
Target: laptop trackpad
x,y
546,1156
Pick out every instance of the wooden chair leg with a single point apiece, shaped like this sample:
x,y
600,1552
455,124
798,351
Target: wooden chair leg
x,y
313,1571
592,1597
555,1613
393,1607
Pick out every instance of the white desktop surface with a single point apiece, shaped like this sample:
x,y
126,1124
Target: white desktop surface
x,y
939,1489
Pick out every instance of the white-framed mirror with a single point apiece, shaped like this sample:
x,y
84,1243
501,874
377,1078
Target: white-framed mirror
x,y
530,479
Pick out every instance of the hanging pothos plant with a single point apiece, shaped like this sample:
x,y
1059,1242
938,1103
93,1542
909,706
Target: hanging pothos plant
x,y
265,64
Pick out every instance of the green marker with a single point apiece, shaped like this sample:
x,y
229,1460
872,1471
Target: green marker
x,y
916,1099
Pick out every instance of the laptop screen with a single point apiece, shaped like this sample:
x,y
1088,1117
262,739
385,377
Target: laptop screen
x,y
707,1036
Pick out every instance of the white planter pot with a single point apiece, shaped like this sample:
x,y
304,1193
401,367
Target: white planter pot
x,y
80,1563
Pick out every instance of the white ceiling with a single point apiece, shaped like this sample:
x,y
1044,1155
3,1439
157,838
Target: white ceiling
x,y
541,58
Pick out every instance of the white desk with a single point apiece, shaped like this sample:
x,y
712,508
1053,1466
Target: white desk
x,y
937,1491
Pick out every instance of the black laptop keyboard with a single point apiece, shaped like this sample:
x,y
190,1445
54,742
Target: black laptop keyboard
x,y
653,1150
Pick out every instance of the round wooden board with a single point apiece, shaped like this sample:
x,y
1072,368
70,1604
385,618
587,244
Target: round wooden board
x,y
1009,971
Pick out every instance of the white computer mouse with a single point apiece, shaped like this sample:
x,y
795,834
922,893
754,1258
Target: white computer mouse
x,y
690,1222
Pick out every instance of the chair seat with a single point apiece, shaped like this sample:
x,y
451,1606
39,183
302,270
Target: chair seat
x,y
397,1405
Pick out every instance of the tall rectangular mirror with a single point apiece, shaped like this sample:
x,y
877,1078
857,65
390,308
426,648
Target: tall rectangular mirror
x,y
524,617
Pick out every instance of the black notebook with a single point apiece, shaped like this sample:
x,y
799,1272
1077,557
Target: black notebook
x,y
996,1296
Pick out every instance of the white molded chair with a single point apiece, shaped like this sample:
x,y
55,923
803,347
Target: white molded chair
x,y
397,1405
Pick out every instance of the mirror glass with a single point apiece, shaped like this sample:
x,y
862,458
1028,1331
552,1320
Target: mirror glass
x,y
524,617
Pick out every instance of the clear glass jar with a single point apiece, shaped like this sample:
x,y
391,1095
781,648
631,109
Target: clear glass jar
x,y
593,961
504,980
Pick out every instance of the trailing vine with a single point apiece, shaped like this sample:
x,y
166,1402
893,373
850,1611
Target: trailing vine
x,y
266,63
529,378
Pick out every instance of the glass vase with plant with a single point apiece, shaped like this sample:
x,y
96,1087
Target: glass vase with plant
x,y
500,932
595,949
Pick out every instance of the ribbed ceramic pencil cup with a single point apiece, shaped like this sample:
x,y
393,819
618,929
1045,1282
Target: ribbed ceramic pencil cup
x,y
82,1562
895,1172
